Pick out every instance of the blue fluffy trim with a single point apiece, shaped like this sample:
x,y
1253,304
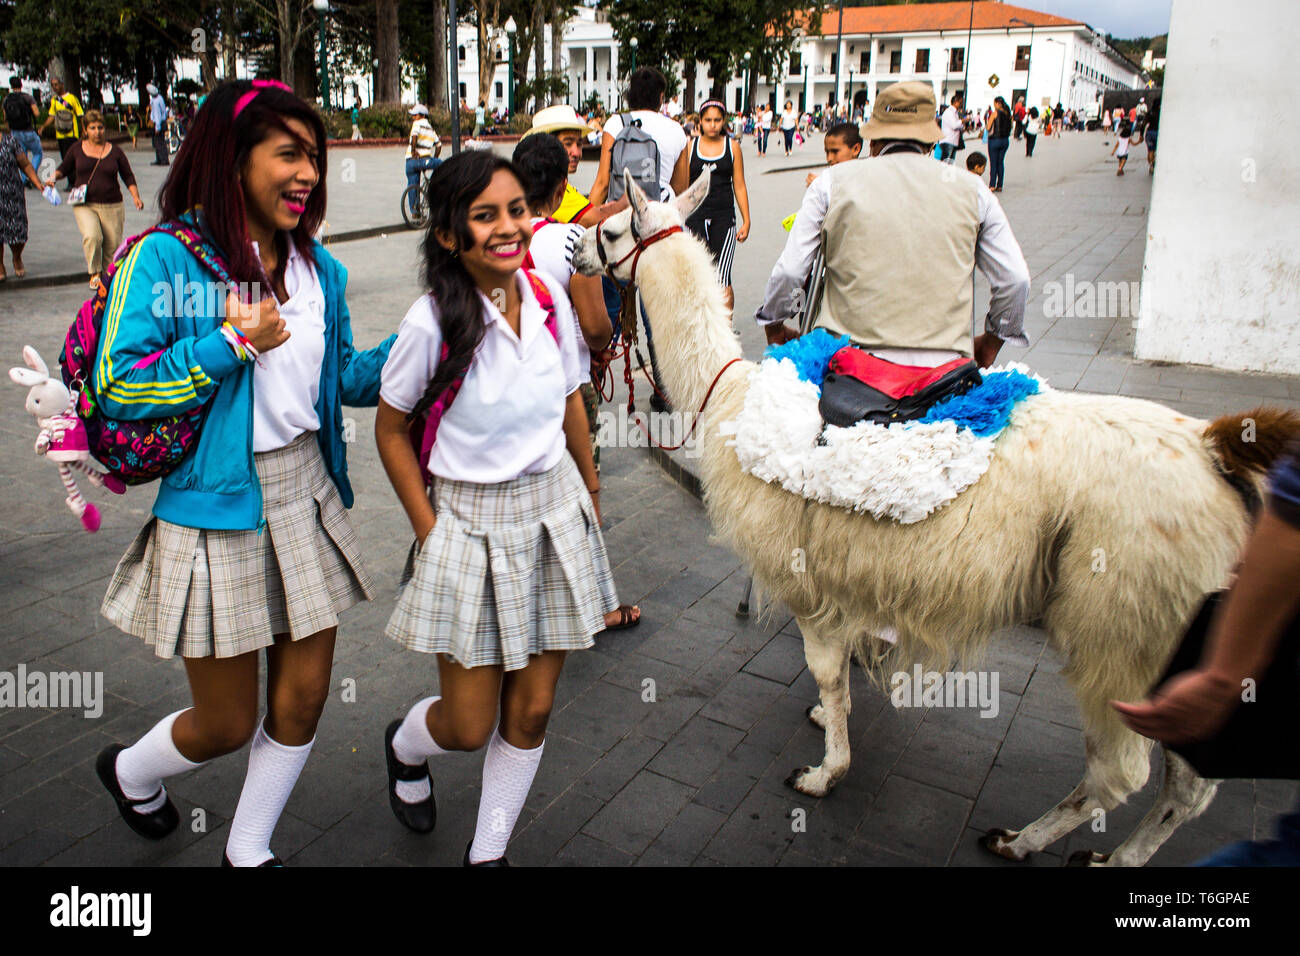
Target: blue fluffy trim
x,y
987,407
810,353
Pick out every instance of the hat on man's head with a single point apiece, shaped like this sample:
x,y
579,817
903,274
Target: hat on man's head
x,y
419,109
151,89
904,111
557,119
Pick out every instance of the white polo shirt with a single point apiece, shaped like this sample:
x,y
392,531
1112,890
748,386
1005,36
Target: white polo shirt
x,y
508,418
552,248
286,380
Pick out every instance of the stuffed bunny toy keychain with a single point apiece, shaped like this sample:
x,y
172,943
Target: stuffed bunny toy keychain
x,y
62,438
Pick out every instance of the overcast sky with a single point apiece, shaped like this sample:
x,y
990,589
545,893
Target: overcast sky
x,y
1119,18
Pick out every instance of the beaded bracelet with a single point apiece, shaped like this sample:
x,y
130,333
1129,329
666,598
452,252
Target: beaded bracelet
x,y
239,343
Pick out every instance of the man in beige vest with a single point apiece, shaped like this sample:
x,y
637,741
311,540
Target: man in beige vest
x,y
903,235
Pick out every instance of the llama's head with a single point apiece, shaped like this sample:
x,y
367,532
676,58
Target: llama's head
x,y
612,244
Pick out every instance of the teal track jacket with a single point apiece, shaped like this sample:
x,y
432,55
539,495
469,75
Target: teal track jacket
x,y
161,353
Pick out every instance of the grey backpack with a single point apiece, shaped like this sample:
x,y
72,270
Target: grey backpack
x,y
636,150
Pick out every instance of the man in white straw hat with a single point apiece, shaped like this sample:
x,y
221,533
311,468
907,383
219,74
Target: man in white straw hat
x,y
423,147
564,123
903,235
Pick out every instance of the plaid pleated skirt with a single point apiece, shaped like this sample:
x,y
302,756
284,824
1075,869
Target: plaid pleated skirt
x,y
510,570
204,593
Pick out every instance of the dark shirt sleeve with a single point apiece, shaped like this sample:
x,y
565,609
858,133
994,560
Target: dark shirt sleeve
x,y
1284,485
124,167
69,162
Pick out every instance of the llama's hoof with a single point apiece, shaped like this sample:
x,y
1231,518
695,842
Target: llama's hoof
x,y
816,716
809,781
1087,858
998,842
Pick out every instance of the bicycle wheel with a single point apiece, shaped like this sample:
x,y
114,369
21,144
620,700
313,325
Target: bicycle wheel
x,y
413,197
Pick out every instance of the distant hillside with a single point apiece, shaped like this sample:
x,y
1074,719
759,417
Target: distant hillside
x,y
1136,47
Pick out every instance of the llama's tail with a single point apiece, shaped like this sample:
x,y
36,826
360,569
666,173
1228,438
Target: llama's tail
x,y
1245,446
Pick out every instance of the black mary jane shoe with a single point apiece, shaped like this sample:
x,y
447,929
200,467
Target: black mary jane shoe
x,y
499,861
157,823
225,862
421,816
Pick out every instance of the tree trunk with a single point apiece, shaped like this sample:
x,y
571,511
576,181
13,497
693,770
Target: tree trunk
x,y
438,61
539,55
718,75
229,38
388,82
143,76
284,26
688,93
557,37
487,12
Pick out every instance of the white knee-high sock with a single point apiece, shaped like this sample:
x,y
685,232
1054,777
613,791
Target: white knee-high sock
x,y
413,744
142,766
507,777
273,769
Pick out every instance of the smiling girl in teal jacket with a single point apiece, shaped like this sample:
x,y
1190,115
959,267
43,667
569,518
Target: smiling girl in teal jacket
x,y
250,546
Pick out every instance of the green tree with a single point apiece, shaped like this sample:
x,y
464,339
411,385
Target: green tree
x,y
716,32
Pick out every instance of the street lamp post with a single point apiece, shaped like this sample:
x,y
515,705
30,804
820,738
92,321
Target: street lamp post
x,y
632,43
1030,67
848,98
453,58
322,6
1064,52
748,57
965,77
510,66
839,54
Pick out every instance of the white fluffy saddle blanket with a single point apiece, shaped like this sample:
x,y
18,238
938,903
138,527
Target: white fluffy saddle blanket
x,y
904,471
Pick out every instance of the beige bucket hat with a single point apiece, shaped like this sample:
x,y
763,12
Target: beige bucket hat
x,y
904,111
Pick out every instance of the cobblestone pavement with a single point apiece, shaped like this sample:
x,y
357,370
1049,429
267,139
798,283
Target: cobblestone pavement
x,y
688,769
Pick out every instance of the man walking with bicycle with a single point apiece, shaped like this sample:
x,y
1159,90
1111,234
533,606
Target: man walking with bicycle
x,y
422,150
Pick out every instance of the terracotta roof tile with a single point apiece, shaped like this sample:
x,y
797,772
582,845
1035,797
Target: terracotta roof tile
x,y
923,17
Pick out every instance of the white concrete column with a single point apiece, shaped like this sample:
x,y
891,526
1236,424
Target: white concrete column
x,y
610,86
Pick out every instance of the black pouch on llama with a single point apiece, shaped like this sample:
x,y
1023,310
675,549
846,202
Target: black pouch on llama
x,y
861,387
1259,739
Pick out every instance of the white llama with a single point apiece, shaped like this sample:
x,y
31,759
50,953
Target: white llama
x,y
1073,473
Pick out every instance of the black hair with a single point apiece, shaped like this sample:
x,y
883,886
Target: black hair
x,y
848,132
15,83
959,95
453,187
645,88
976,159
543,165
1033,111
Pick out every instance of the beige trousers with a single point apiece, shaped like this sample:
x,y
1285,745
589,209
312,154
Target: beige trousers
x,y
101,226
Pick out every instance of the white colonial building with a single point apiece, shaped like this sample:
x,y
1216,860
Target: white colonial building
x,y
985,49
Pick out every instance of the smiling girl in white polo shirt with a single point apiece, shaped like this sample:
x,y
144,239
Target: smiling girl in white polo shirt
x,y
509,569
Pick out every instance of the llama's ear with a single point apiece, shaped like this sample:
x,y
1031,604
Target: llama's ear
x,y
34,360
690,200
635,195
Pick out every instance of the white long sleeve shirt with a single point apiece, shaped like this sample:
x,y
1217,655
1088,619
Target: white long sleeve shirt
x,y
997,254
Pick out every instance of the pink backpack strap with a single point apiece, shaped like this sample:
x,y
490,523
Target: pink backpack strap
x,y
544,299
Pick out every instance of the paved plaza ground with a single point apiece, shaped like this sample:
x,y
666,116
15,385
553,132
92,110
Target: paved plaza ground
x,y
694,776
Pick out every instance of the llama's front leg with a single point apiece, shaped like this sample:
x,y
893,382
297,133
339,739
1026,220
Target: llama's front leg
x,y
1118,763
828,656
1183,796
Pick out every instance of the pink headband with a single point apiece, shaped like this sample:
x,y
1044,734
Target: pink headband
x,y
258,86
718,103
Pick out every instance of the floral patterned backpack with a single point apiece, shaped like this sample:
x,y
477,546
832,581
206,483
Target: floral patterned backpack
x,y
136,450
